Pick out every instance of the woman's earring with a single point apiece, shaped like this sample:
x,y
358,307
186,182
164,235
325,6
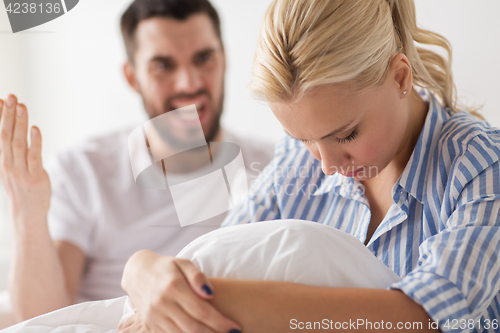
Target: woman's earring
x,y
404,92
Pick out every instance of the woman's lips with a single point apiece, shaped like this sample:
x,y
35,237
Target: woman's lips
x,y
354,173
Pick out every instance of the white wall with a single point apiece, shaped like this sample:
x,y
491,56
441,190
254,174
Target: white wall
x,y
473,29
68,72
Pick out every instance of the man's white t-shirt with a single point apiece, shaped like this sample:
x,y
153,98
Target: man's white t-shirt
x,y
97,206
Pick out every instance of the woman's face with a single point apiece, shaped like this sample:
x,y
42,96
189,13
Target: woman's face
x,y
355,133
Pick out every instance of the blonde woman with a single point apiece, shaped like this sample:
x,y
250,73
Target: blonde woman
x,y
407,173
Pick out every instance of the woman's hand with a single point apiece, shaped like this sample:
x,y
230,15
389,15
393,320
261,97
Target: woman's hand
x,y
171,295
21,171
133,324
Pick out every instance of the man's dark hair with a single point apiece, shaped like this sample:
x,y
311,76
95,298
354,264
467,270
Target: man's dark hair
x,y
140,10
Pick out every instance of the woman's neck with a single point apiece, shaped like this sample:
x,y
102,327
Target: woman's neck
x,y
417,114
416,121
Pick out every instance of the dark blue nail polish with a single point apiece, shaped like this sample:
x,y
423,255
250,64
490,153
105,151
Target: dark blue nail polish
x,y
209,292
234,331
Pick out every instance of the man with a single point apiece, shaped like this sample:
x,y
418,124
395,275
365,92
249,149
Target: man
x,y
74,233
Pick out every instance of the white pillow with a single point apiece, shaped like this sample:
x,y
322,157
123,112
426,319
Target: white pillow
x,y
288,250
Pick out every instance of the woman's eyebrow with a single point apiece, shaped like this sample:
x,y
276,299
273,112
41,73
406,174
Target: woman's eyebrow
x,y
338,130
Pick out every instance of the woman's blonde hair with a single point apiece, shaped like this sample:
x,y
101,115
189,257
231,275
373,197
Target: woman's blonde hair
x,y
307,43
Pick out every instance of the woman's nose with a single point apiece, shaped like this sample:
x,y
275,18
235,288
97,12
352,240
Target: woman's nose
x,y
332,158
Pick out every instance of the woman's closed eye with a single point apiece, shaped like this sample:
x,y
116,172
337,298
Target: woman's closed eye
x,y
304,141
347,139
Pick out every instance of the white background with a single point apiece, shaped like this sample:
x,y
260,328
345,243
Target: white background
x,y
68,71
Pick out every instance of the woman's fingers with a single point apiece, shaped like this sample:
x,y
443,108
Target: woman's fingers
x,y
184,322
157,284
196,279
35,166
163,324
19,141
204,314
188,298
6,131
126,324
132,324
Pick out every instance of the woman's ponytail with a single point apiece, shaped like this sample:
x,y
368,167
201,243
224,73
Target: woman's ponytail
x,y
430,70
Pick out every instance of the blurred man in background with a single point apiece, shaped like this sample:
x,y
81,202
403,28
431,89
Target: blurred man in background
x,y
77,222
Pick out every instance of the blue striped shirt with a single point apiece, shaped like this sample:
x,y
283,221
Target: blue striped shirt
x,y
441,233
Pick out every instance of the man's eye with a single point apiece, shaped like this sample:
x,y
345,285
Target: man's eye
x,y
203,58
163,66
305,141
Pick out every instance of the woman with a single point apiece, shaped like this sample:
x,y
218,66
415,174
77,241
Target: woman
x,y
404,172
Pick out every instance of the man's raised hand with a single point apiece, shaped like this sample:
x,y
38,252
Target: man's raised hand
x,y
21,171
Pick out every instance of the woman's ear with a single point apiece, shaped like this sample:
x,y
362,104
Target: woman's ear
x,y
129,72
401,71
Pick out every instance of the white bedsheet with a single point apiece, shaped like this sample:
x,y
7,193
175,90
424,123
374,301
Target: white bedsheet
x,y
286,250
99,316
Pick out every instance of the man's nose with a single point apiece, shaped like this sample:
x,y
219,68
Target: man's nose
x,y
332,158
187,81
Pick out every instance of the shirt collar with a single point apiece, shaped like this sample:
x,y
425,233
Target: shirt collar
x,y
416,171
345,186
413,177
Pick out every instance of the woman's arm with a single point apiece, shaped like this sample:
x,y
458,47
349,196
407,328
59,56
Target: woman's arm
x,y
169,295
275,306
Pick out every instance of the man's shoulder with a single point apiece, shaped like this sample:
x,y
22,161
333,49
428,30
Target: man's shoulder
x,y
101,152
252,149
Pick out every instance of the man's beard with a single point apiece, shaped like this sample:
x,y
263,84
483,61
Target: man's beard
x,y
167,135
